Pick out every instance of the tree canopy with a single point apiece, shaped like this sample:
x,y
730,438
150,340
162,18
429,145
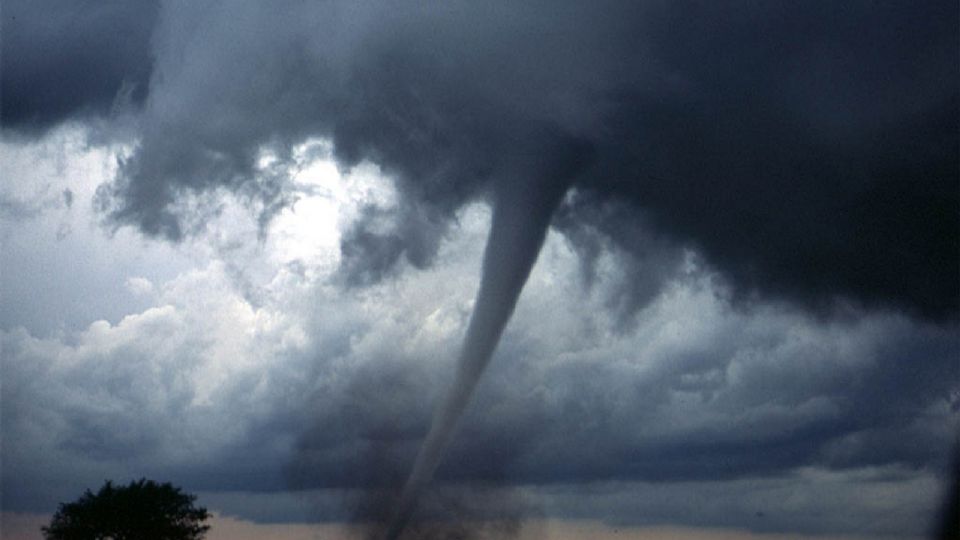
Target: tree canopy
x,y
142,510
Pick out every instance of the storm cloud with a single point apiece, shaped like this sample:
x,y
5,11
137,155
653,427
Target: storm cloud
x,y
749,279
66,60
808,151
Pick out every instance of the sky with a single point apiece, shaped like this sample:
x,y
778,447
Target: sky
x,y
713,248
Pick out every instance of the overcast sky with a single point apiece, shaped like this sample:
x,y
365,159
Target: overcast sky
x,y
242,243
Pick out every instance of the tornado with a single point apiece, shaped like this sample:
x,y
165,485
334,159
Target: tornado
x,y
522,209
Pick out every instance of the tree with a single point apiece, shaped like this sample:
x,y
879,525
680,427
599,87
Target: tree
x,y
142,510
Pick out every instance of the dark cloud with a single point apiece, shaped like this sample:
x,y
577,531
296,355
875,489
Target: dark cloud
x,y
63,59
809,152
376,242
642,259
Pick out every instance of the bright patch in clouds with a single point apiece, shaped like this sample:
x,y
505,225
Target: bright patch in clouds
x,y
328,200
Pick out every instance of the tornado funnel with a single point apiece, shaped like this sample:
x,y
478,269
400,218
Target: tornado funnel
x,y
521,217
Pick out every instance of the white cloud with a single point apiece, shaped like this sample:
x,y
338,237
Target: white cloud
x,y
139,286
61,269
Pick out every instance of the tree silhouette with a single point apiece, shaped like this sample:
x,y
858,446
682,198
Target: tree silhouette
x,y
142,510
